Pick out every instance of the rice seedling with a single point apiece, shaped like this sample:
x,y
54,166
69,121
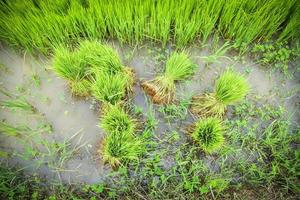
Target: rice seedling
x,y
72,66
219,53
10,130
118,147
115,119
19,103
109,89
162,88
100,57
230,88
84,64
208,134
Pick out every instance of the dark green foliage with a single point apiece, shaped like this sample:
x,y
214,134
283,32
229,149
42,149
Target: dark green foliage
x,y
277,55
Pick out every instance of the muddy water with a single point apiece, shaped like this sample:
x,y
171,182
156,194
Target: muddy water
x,y
76,120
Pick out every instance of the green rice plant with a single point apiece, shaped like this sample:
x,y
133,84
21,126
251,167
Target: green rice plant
x,y
118,147
19,103
208,134
100,57
230,88
115,119
10,130
42,25
72,66
80,66
162,88
219,53
109,88
293,24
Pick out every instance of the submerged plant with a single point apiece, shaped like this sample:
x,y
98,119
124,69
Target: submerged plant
x,y
208,134
162,88
120,147
19,103
230,87
10,130
115,119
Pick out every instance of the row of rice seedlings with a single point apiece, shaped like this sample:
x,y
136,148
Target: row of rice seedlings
x,y
162,88
121,144
246,21
90,68
44,24
230,88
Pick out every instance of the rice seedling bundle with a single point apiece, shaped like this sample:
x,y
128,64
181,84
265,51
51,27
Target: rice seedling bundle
x,y
208,134
115,119
118,147
230,87
90,68
72,67
120,144
162,88
109,88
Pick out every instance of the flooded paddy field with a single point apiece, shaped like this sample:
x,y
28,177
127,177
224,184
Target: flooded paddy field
x,y
73,123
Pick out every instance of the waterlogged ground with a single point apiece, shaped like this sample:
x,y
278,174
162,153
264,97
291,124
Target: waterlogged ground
x,y
75,121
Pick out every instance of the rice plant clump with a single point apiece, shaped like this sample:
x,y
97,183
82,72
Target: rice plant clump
x,y
83,65
71,66
162,88
109,88
115,119
100,57
208,133
118,147
230,88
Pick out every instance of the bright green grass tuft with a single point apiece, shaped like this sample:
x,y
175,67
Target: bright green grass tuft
x,y
179,67
118,147
69,65
109,88
231,87
82,65
162,88
100,57
115,119
10,130
208,133
72,66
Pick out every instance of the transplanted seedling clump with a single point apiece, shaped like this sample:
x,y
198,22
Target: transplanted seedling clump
x,y
90,67
115,119
162,88
230,88
121,144
208,134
